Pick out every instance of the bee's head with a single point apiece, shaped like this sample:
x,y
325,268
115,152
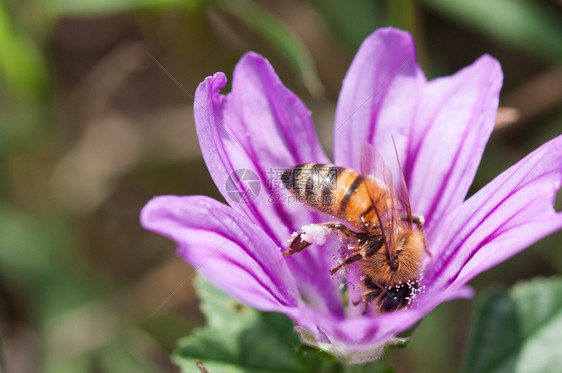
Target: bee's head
x,y
409,249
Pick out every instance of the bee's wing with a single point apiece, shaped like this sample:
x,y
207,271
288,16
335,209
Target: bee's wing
x,y
402,193
381,192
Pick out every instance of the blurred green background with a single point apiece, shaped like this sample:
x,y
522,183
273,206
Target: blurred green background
x,y
96,118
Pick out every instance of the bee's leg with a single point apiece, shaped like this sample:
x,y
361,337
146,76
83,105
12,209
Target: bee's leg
x,y
372,246
367,249
343,230
374,291
372,285
365,304
368,298
298,244
347,261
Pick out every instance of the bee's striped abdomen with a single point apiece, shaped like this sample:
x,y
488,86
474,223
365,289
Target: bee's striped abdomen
x,y
338,191
313,184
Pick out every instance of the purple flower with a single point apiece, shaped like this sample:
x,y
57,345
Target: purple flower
x,y
440,128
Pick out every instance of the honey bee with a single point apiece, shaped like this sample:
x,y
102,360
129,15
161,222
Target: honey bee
x,y
388,242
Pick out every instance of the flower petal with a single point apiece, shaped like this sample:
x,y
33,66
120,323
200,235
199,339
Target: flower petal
x,y
440,128
453,123
361,339
263,127
226,248
260,126
503,218
378,98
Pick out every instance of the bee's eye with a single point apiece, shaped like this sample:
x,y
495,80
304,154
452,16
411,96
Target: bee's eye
x,y
403,241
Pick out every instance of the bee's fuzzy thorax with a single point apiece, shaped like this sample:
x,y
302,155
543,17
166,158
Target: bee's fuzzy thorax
x,y
409,257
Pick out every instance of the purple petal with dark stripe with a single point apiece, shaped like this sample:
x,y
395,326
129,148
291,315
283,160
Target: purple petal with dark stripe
x,y
440,127
503,218
263,127
226,248
378,98
363,338
454,120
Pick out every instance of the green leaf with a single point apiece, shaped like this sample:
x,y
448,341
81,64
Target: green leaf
x,y
366,16
117,357
21,62
532,26
401,14
374,367
279,35
58,8
240,339
517,331
35,261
